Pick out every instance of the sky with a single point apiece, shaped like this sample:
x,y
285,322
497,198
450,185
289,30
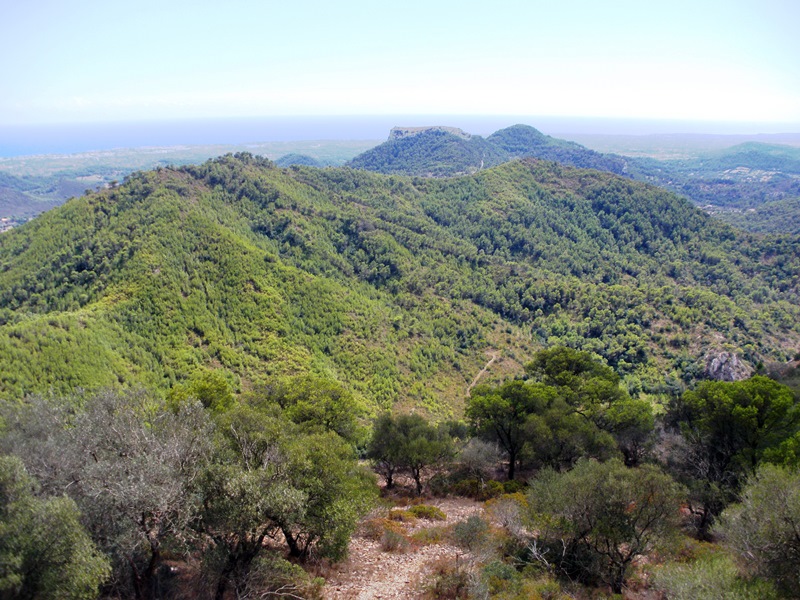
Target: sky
x,y
76,61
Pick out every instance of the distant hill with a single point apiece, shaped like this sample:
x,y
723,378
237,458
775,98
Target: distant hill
x,y
520,141
400,288
305,160
432,152
445,152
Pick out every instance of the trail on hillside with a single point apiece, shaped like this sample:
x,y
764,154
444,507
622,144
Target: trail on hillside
x,y
372,573
494,356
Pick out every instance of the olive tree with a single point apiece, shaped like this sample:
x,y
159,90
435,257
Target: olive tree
x,y
407,442
130,465
45,551
594,520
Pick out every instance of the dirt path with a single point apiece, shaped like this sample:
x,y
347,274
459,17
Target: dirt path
x,y
371,573
494,356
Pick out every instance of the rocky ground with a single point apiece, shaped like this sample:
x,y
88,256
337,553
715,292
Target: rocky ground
x,y
371,572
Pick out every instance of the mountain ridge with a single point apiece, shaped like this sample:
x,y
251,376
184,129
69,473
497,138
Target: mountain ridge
x,y
395,286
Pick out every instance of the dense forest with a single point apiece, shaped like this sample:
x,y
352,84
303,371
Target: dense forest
x,y
251,271
193,362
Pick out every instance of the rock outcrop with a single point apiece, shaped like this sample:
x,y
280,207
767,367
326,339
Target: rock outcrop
x,y
726,366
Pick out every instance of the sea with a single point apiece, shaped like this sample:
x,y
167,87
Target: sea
x,y
70,138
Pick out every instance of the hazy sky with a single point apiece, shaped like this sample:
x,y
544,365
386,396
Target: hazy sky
x,y
97,60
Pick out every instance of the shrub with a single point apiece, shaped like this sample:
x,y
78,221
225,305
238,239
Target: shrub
x,y
426,511
595,520
471,533
373,529
513,486
500,576
448,581
473,488
403,516
392,541
763,528
711,577
430,535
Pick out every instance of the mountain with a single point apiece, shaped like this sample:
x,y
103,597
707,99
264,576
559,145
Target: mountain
x,y
444,152
432,152
400,288
521,141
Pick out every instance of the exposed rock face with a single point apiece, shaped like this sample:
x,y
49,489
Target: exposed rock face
x,y
403,132
726,366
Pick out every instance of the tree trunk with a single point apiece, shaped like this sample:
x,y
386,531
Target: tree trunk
x,y
291,541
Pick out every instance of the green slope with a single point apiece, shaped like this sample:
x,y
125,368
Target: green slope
x,y
400,288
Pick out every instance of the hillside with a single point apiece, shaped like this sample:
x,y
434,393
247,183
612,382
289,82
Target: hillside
x,y
521,141
400,288
430,153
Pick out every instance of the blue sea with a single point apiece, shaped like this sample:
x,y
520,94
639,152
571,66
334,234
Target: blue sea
x,y
19,140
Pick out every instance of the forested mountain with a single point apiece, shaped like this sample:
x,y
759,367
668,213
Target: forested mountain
x,y
521,141
432,153
400,288
438,153
732,184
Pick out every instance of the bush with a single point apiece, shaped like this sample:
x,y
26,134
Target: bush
x,y
272,575
763,528
513,486
499,577
392,541
711,577
373,529
426,511
403,516
430,535
473,488
448,581
471,533
595,520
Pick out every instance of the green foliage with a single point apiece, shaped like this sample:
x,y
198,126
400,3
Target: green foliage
x,y
407,442
712,576
577,409
521,141
287,160
317,404
762,528
594,520
470,533
425,511
210,388
45,552
443,154
754,186
501,414
729,428
337,493
431,153
128,463
392,286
